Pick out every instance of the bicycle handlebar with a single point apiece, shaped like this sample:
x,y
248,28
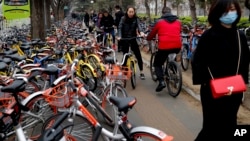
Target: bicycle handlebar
x,y
131,38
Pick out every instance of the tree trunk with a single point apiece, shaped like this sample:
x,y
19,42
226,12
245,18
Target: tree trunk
x,y
147,10
205,8
193,11
48,13
37,19
164,3
156,7
247,4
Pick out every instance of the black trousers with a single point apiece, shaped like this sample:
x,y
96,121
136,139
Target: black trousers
x,y
135,48
160,58
219,115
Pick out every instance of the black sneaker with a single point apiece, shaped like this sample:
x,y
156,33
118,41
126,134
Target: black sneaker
x,y
161,86
142,76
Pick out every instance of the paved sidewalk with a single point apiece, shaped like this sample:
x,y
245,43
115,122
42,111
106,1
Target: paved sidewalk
x,y
194,90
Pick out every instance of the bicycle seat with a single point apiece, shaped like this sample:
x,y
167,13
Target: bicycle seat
x,y
6,60
3,66
16,86
109,60
123,103
16,57
9,51
51,70
58,52
25,47
79,49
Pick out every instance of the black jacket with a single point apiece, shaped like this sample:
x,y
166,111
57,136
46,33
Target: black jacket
x,y
107,23
218,49
127,27
118,16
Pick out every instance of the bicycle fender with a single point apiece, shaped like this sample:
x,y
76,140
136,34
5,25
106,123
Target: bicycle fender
x,y
61,78
99,61
90,67
30,65
158,133
31,96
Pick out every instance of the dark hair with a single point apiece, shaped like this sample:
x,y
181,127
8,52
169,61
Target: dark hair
x,y
117,7
126,13
219,7
166,10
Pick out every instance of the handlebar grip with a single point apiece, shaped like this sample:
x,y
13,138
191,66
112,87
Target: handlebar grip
x,y
60,120
72,85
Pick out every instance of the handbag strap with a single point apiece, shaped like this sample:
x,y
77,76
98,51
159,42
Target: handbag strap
x,y
238,59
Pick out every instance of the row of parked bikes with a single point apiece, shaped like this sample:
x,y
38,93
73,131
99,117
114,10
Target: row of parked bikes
x,y
66,88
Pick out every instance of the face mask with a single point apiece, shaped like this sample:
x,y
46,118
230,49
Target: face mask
x,y
229,17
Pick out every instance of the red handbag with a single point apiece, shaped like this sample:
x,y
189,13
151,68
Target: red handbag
x,y
228,85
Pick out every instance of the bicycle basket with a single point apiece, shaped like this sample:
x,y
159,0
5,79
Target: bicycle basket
x,y
118,73
59,96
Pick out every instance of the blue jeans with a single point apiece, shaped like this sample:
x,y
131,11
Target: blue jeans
x,y
112,32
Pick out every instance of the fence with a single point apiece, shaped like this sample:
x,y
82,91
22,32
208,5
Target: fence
x,y
5,25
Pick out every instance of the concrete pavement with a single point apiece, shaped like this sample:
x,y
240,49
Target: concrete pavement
x,y
194,90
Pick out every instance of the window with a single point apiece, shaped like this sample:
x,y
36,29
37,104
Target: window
x,y
15,2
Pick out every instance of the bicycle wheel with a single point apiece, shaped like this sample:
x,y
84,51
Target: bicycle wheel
x,y
94,61
174,78
82,129
117,90
184,57
90,79
149,134
31,124
133,76
152,69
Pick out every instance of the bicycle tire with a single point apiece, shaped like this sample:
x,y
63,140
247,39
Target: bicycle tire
x,y
184,57
149,134
94,61
90,79
110,109
37,106
133,75
152,69
79,131
173,72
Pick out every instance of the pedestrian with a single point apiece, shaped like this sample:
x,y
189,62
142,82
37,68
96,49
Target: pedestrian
x,y
218,50
86,19
168,29
129,27
98,27
107,23
118,15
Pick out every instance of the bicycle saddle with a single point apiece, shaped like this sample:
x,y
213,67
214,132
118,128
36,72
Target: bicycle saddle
x,y
9,51
52,69
123,103
3,66
16,57
109,60
6,60
16,86
25,47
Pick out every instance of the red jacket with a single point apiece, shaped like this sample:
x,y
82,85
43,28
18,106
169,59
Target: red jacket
x,y
168,29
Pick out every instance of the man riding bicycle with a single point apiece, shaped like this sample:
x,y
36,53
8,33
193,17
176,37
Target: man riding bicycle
x,y
168,29
107,23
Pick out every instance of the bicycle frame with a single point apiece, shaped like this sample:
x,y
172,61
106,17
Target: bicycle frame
x,y
123,123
